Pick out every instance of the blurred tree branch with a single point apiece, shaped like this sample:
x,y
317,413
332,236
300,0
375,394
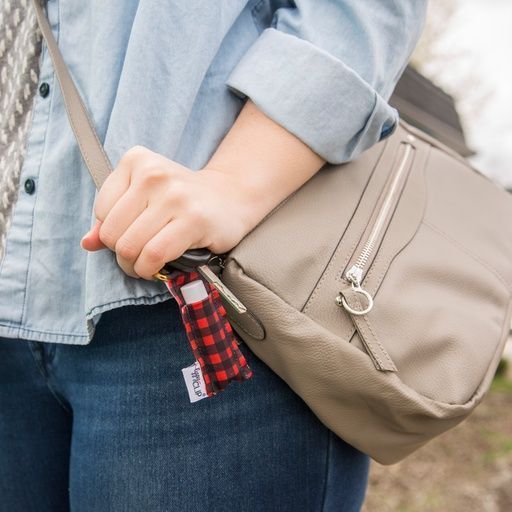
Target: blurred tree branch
x,y
450,66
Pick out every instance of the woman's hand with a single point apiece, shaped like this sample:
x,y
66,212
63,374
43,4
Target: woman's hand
x,y
150,210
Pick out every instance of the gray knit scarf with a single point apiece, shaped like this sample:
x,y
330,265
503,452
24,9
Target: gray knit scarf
x,y
20,47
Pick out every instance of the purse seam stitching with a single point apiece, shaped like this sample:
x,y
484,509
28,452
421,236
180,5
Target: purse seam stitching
x,y
463,248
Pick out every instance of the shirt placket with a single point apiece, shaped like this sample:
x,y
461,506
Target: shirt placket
x,y
15,266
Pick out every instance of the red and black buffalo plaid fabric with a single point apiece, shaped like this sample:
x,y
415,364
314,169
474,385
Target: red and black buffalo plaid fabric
x,y
211,337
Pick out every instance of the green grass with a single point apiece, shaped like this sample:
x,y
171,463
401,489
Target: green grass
x,y
501,384
502,447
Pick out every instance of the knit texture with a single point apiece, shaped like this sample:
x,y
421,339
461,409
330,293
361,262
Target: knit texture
x,y
20,47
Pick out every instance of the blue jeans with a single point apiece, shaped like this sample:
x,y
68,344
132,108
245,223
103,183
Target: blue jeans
x,y
108,427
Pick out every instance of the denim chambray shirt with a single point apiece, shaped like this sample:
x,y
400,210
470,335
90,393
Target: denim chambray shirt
x,y
173,75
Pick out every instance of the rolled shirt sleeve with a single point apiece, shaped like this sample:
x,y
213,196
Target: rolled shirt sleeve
x,y
325,70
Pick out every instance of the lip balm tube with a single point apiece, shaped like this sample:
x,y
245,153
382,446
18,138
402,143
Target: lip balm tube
x,y
195,291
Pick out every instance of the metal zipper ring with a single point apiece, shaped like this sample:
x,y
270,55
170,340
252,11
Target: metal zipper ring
x,y
355,311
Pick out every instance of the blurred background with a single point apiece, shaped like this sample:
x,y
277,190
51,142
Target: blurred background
x,y
458,88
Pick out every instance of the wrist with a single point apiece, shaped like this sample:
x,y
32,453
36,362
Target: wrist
x,y
249,196
263,163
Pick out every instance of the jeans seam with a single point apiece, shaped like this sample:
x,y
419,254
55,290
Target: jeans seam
x,y
327,466
45,375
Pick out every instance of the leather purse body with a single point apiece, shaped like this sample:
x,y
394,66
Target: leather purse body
x,y
380,291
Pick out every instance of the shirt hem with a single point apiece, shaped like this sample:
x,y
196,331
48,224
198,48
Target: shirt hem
x,y
26,333
20,332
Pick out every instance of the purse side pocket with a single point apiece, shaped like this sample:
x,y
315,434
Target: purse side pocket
x,y
440,315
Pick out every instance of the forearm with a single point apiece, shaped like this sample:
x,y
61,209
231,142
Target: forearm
x,y
268,162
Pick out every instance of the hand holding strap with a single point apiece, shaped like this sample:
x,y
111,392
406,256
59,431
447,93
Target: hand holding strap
x,y
92,151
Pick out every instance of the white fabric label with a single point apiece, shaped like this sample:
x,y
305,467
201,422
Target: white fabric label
x,y
194,380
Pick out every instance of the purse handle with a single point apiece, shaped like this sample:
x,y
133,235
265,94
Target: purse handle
x,y
92,151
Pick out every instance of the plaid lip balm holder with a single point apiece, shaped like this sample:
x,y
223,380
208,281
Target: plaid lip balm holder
x,y
213,342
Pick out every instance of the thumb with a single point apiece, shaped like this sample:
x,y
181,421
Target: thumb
x,y
91,240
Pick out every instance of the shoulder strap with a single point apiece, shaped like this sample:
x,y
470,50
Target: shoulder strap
x,y
90,147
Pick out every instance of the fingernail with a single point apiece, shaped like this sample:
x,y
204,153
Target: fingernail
x,y
83,238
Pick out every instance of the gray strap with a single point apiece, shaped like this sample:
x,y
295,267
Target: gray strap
x,y
90,147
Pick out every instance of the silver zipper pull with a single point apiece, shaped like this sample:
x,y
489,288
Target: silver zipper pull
x,y
223,290
354,276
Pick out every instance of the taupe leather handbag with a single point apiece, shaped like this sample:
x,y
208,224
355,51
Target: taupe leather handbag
x,y
380,291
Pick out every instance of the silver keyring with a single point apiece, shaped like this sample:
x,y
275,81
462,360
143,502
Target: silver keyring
x,y
354,311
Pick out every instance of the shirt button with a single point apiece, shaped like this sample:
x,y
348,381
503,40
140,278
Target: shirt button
x,y
44,89
30,186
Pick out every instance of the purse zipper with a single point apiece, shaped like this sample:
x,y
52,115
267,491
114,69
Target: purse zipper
x,y
357,270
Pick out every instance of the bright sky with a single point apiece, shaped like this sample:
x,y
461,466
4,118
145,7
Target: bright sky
x,y
481,31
